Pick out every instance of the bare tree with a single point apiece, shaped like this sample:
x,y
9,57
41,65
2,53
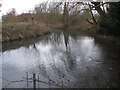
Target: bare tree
x,y
97,6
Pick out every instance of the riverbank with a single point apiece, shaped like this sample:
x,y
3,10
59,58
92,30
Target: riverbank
x,y
17,31
109,39
92,31
21,30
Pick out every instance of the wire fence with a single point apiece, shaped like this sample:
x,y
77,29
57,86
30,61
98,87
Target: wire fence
x,y
35,80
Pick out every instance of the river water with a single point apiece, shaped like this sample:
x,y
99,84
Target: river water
x,y
60,60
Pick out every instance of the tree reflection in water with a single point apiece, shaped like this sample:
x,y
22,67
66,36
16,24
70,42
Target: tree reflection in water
x,y
59,58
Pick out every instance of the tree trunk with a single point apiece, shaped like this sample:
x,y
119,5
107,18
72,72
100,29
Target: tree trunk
x,y
65,15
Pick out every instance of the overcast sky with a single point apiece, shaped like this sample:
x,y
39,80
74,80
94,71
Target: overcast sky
x,y
19,5
23,5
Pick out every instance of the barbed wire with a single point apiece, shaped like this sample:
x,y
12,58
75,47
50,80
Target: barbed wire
x,y
31,79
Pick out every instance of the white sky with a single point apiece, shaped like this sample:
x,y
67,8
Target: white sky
x,y
22,5
19,5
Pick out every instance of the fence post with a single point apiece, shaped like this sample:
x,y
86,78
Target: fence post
x,y
27,78
34,81
38,81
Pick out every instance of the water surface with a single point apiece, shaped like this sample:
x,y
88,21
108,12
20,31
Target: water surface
x,y
60,60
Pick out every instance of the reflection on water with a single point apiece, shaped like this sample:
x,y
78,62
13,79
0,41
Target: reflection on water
x,y
63,59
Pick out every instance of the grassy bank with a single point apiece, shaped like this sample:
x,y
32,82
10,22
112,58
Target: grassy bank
x,y
109,39
93,32
16,31
22,30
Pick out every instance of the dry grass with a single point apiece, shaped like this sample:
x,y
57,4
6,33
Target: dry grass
x,y
22,30
13,31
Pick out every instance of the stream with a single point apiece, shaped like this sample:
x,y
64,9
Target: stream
x,y
60,60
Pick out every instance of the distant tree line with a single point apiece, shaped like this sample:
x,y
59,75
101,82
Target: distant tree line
x,y
101,14
66,13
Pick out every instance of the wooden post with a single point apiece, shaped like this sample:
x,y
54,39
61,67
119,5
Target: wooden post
x,y
38,81
49,83
34,81
27,78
